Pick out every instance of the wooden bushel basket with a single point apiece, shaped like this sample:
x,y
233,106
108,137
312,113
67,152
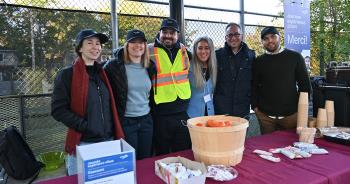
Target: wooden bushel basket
x,y
218,145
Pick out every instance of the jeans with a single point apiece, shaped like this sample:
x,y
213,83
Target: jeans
x,y
138,133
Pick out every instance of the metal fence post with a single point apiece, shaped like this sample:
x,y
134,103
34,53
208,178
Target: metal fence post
x,y
21,115
241,18
114,21
177,13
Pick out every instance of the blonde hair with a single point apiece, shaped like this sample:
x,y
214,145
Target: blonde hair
x,y
196,63
145,58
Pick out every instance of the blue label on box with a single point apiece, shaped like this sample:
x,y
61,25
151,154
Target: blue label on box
x,y
108,166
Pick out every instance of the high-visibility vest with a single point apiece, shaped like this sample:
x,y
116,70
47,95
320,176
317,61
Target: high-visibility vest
x,y
171,80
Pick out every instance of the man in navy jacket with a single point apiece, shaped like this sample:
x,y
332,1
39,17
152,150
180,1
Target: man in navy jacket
x,y
233,87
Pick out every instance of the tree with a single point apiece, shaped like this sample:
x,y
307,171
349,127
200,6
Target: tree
x,y
330,26
15,25
138,15
53,34
55,31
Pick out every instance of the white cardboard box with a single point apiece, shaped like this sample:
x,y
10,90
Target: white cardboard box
x,y
107,162
168,178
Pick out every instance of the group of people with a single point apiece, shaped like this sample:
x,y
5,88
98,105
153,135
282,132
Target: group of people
x,y
146,93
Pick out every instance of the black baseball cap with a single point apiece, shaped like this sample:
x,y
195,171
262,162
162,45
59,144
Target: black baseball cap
x,y
269,30
88,33
169,23
135,33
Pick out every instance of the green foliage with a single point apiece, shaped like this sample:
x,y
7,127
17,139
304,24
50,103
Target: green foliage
x,y
31,81
330,38
15,25
150,26
54,32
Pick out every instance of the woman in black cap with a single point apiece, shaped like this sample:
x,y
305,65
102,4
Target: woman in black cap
x,y
82,98
130,75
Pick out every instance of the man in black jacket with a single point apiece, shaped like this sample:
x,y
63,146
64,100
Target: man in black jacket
x,y
278,75
233,87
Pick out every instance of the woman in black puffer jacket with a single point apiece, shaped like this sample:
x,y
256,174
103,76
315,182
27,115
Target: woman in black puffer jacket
x,y
130,77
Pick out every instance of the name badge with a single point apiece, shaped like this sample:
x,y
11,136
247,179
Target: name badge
x,y
207,98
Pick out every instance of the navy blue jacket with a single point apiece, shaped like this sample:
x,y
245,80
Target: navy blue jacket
x,y
233,87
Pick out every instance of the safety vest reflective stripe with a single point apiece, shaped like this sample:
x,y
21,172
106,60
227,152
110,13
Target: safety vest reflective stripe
x,y
170,82
154,56
157,59
166,79
172,74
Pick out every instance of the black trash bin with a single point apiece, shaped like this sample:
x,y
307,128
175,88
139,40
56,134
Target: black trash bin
x,y
316,97
338,75
341,97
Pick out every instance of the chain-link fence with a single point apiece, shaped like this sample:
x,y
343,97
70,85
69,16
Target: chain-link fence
x,y
36,36
31,115
36,41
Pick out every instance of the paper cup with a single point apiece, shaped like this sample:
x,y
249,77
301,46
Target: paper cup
x,y
307,135
321,118
303,105
303,98
312,122
329,106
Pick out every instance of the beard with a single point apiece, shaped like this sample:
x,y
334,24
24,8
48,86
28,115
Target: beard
x,y
273,49
168,44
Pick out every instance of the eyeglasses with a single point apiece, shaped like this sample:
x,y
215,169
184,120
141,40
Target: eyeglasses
x,y
231,35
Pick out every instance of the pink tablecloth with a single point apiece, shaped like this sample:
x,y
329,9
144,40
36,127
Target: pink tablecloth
x,y
333,168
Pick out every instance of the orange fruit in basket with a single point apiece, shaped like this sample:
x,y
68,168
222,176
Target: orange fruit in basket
x,y
213,123
200,124
228,123
210,121
221,124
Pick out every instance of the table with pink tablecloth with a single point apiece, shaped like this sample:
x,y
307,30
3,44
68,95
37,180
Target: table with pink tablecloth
x,y
333,168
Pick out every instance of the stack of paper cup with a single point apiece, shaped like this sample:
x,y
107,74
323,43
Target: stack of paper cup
x,y
312,122
303,105
307,135
321,118
330,112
